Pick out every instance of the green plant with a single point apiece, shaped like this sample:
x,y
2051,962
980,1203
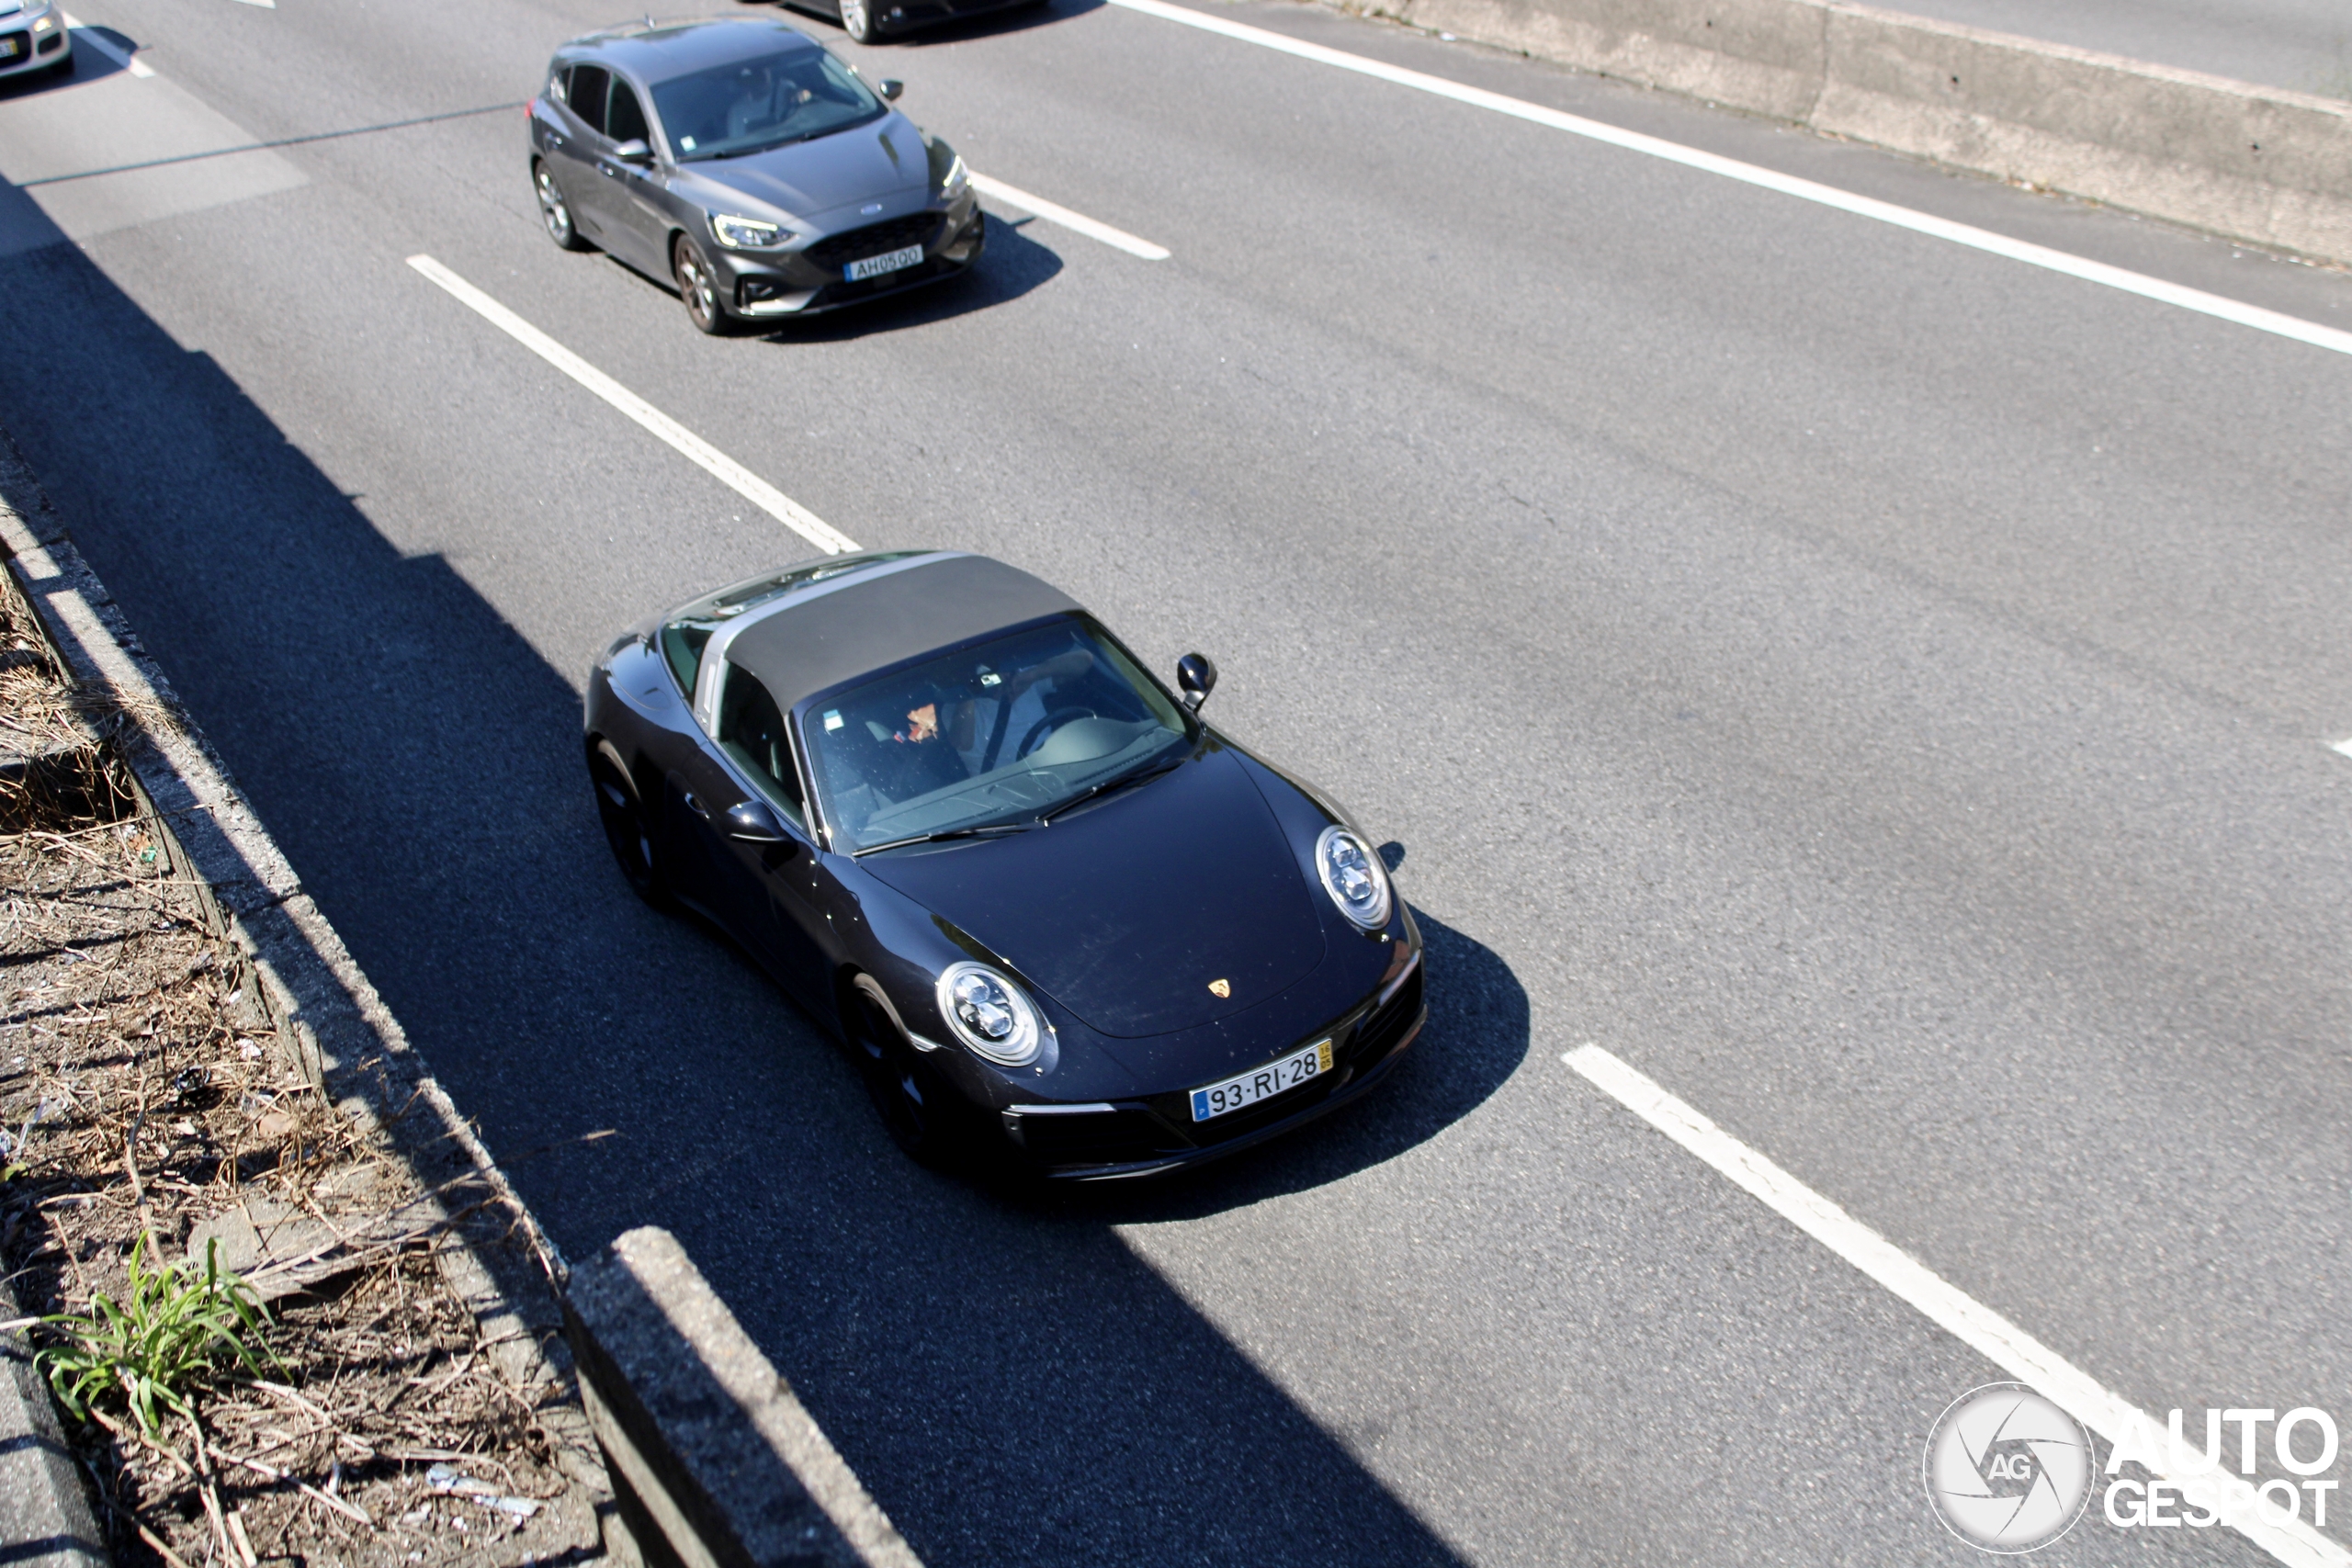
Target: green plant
x,y
13,1150
172,1331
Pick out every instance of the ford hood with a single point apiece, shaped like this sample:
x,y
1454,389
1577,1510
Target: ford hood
x,y
884,161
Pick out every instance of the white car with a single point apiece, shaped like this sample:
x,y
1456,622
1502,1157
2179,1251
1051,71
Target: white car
x,y
33,38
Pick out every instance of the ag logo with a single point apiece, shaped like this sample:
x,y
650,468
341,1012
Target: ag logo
x,y
2008,1470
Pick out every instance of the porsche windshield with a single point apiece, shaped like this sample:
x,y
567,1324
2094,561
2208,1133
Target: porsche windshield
x,y
999,734
754,105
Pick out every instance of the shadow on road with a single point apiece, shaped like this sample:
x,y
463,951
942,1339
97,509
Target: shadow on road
x,y
87,63
1014,1383
1013,265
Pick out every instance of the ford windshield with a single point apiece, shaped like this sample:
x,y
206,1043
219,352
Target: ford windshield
x,y
754,105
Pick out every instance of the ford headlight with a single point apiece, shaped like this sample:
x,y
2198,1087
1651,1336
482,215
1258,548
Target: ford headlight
x,y
748,234
951,184
1353,876
989,1013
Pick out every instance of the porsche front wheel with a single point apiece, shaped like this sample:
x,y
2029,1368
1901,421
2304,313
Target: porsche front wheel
x,y
857,20
627,830
915,1104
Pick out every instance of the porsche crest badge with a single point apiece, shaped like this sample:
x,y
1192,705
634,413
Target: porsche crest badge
x,y
1220,988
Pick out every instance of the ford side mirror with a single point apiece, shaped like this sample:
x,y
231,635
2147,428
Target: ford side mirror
x,y
634,151
891,87
753,823
1197,678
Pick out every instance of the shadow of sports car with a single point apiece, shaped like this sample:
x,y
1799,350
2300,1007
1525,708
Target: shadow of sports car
x,y
1064,925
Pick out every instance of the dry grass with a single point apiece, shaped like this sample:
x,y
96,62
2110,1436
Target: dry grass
x,y
143,1093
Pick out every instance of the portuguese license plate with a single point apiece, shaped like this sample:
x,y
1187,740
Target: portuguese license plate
x,y
889,261
1266,1082
11,47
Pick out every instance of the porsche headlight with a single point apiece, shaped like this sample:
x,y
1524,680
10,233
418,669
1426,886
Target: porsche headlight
x,y
1353,876
748,234
989,1013
951,184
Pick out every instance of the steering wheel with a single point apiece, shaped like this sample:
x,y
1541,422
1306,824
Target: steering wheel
x,y
1051,721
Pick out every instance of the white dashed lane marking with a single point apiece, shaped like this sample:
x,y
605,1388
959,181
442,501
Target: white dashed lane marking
x,y
693,447
1077,222
2003,1343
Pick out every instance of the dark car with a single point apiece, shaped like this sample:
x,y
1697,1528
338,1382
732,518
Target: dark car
x,y
742,162
866,21
1063,924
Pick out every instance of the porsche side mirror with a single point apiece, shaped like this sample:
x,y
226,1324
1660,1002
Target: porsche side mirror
x,y
753,823
891,87
635,152
1197,678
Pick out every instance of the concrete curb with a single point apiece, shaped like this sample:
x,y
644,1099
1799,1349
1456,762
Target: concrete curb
x,y
45,1519
713,1456
326,1012
2259,164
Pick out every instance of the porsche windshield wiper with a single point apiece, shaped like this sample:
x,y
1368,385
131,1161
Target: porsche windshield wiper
x,y
1119,782
985,829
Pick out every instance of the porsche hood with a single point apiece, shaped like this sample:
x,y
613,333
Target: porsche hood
x,y
1126,913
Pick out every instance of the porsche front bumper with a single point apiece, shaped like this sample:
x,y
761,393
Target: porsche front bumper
x,y
1157,1133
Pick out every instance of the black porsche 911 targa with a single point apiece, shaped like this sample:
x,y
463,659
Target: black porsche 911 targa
x,y
1063,924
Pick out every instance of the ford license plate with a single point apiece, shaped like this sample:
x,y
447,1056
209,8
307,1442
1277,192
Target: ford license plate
x,y
889,261
1263,1084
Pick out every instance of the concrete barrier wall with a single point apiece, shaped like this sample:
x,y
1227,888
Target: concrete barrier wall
x,y
2254,164
714,1461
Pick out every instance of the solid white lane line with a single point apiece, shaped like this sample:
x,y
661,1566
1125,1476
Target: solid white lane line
x,y
2343,746
1995,1338
1118,239
2116,277
709,458
106,47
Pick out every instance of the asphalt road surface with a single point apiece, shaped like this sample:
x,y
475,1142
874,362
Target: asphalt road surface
x,y
2302,44
1881,691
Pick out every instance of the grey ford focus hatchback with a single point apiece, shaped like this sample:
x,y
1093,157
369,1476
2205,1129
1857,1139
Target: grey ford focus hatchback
x,y
742,162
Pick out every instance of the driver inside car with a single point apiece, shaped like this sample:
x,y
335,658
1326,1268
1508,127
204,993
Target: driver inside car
x,y
762,100
915,757
923,724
